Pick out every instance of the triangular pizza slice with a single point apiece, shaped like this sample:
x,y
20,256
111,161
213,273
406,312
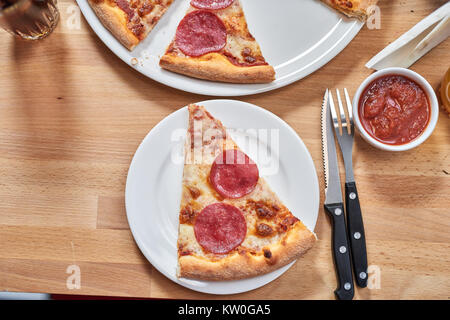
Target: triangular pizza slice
x,y
130,21
231,224
213,42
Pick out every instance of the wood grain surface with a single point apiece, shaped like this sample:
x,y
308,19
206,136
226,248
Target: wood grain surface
x,y
72,115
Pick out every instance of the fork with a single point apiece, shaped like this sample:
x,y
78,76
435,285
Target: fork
x,y
345,130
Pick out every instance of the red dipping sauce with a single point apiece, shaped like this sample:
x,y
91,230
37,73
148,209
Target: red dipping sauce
x,y
394,109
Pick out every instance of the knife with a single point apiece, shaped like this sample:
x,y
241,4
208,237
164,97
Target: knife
x,y
334,206
416,42
355,223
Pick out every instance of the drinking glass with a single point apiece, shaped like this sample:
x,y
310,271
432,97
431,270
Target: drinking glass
x,y
29,19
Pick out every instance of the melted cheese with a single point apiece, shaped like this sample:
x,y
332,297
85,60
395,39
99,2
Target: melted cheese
x,y
238,37
146,13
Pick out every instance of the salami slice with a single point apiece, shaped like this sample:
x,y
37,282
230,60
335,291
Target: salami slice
x,y
233,174
211,4
220,227
200,32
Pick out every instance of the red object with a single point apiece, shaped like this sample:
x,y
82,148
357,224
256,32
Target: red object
x,y
233,174
220,227
211,4
200,32
88,297
394,109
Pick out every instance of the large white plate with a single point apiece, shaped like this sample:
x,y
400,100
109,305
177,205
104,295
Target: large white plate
x,y
153,188
297,37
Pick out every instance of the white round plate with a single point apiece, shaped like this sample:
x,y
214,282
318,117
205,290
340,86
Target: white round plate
x,y
297,37
153,188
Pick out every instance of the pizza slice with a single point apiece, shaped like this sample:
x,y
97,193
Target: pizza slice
x,y
130,21
213,42
231,224
352,8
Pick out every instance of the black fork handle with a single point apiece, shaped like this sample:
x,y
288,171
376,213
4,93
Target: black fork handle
x,y
356,234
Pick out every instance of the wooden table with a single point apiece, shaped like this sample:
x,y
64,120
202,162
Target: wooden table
x,y
72,115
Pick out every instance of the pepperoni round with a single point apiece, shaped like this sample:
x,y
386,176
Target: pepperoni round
x,y
233,174
211,4
220,227
200,32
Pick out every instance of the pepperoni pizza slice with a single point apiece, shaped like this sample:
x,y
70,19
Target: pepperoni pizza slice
x,y
130,21
352,8
213,42
231,224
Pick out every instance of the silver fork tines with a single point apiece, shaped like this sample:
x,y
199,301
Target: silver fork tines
x,y
350,110
344,128
345,119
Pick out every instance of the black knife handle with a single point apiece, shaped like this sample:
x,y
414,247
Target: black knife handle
x,y
356,234
341,252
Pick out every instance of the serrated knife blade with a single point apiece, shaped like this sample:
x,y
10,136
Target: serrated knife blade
x,y
323,126
333,193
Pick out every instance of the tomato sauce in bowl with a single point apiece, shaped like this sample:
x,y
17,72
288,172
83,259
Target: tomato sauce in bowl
x,y
394,109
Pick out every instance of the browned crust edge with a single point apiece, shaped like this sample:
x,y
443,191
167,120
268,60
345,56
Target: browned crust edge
x,y
114,23
215,67
360,12
295,243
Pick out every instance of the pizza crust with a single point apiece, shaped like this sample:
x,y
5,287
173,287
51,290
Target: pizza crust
x,y
115,21
294,244
215,67
358,9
